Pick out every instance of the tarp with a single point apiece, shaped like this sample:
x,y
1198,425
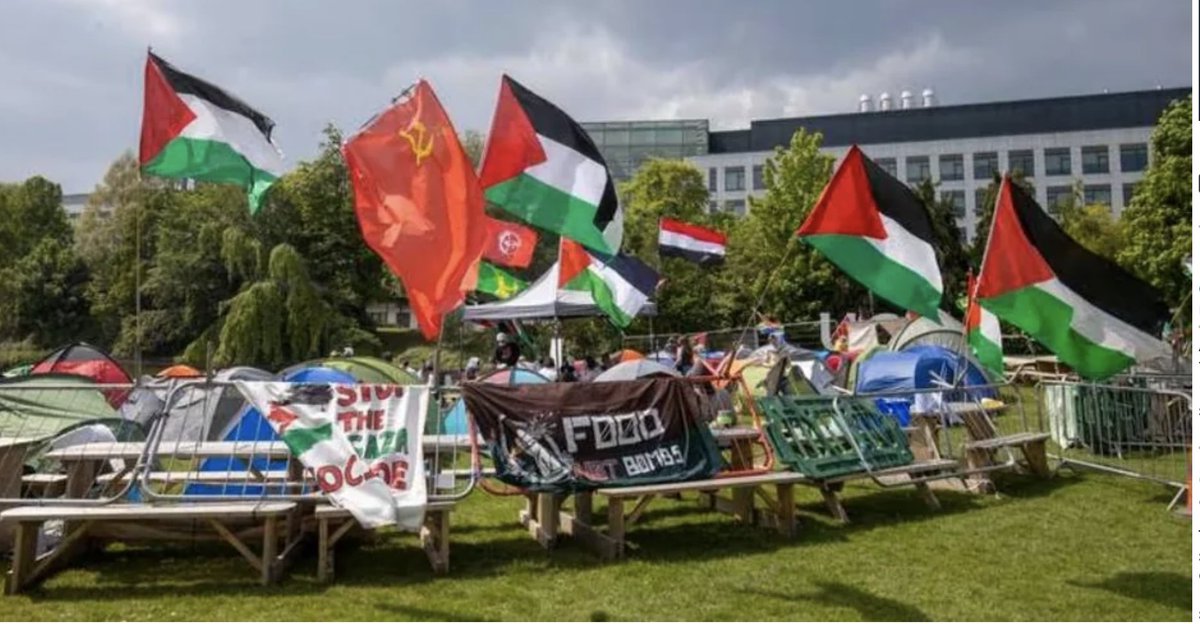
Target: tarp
x,y
84,359
577,436
543,300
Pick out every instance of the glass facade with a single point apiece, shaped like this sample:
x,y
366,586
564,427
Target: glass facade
x,y
627,145
1058,161
985,164
1057,196
735,178
1097,194
1133,157
1095,158
1022,161
916,169
712,179
950,167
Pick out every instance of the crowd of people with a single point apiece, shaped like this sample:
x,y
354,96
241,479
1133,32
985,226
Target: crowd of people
x,y
507,354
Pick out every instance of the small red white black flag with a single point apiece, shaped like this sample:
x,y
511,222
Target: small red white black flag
x,y
690,242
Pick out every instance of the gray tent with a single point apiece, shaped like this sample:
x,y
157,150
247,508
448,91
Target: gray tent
x,y
543,300
199,410
946,332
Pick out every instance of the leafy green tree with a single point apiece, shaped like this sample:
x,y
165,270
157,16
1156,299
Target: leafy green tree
x,y
767,260
473,143
674,189
29,213
1094,227
1158,224
952,254
46,295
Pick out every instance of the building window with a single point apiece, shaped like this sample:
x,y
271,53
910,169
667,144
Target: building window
x,y
712,207
958,202
1058,161
735,178
950,166
962,234
888,165
1097,194
1127,191
916,169
986,164
736,206
757,175
980,200
1133,157
712,179
1095,158
1020,161
1057,197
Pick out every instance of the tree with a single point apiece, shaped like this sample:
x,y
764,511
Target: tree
x,y
674,189
30,212
474,143
46,295
983,214
767,260
1158,224
1093,227
952,254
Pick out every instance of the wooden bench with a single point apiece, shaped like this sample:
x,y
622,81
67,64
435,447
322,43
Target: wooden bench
x,y
28,568
545,519
333,523
43,485
916,474
984,441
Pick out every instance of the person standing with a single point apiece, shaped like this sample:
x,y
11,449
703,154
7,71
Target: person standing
x,y
507,354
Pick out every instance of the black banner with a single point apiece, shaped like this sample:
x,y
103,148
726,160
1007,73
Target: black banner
x,y
578,436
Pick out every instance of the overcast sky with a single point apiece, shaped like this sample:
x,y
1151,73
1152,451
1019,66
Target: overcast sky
x,y
71,70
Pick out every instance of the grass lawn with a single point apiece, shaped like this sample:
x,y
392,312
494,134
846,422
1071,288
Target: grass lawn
x,y
1079,547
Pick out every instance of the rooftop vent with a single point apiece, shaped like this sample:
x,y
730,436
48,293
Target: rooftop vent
x,y
928,98
906,99
864,103
885,101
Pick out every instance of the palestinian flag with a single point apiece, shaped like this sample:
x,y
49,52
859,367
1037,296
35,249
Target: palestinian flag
x,y
1094,316
543,168
874,228
694,243
983,333
193,129
498,282
620,285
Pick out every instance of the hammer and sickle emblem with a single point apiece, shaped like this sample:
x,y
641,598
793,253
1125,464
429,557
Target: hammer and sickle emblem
x,y
419,139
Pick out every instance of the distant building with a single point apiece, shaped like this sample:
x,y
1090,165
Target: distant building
x,y
74,204
1100,140
391,314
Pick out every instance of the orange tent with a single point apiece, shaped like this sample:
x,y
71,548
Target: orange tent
x,y
627,355
179,370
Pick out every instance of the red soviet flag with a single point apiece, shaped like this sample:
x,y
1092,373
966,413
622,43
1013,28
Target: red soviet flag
x,y
418,202
509,244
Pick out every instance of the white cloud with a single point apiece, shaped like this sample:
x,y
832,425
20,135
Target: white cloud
x,y
150,19
593,75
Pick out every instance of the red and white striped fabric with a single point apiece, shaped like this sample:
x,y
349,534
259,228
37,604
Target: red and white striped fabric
x,y
690,242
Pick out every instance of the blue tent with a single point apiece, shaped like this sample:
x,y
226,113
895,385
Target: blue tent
x,y
253,427
916,368
455,421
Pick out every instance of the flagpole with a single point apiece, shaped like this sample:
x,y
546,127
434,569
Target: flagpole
x,y
973,292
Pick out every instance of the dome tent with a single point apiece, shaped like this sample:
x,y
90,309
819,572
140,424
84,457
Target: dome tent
x,y
199,411
921,368
455,421
89,361
365,369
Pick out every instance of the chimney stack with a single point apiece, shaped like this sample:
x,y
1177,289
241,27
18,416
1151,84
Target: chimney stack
x,y
864,103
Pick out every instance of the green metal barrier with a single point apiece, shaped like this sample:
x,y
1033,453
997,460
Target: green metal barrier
x,y
817,437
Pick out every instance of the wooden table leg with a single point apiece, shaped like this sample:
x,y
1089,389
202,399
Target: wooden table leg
x,y
743,504
24,556
583,507
435,538
270,544
834,503
616,525
324,552
926,494
1035,456
547,518
786,502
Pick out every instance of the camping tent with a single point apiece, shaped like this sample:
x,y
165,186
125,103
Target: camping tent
x,y
89,361
364,369
922,367
251,426
199,411
179,371
636,369
43,407
947,332
627,355
455,421
543,300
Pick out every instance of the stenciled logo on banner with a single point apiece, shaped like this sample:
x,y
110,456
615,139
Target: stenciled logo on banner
x,y
361,444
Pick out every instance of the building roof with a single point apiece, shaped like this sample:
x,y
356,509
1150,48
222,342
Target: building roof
x,y
1059,114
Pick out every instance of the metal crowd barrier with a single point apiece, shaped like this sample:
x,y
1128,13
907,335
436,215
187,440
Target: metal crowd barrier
x,y
1135,426
190,440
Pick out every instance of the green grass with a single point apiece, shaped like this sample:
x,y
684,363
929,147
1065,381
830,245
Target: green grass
x,y
1078,547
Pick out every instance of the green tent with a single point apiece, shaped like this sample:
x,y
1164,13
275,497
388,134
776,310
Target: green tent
x,y
365,369
39,408
18,371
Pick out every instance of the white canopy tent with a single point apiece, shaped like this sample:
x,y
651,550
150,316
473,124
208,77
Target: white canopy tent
x,y
543,300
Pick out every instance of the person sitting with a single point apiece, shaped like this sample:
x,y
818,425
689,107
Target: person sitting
x,y
507,354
